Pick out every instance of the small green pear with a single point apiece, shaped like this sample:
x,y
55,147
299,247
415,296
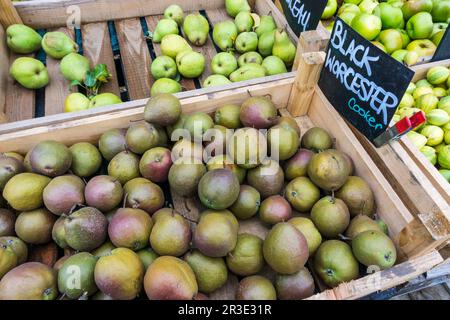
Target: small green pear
x,y
247,72
58,45
74,66
163,28
104,99
244,21
215,80
224,35
173,44
196,28
283,47
165,85
224,63
250,57
163,67
265,43
175,13
246,42
22,39
76,102
29,72
190,64
267,24
233,7
274,65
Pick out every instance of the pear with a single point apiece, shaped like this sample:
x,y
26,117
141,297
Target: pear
x,y
244,21
283,48
215,80
163,28
22,39
233,7
224,35
274,65
266,24
246,42
76,102
74,67
250,57
29,72
163,67
24,192
265,43
247,72
165,85
58,45
175,13
224,63
190,63
104,99
173,44
196,28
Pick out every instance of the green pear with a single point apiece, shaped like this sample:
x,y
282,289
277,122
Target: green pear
x,y
196,28
29,72
233,7
244,21
250,57
58,45
22,39
215,80
163,67
267,24
224,63
247,72
104,99
190,64
274,65
224,35
173,44
265,43
283,48
76,102
163,28
246,42
74,67
175,13
165,85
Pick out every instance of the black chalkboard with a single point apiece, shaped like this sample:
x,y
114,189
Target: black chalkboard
x,y
303,15
364,84
443,50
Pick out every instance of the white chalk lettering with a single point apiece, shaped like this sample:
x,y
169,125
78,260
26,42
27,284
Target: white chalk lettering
x,y
299,12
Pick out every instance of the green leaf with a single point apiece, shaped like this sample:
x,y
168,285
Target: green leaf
x,y
75,83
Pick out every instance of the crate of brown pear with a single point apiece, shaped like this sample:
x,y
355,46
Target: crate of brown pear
x,y
295,96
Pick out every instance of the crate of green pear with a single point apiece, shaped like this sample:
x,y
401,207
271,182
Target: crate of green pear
x,y
218,213
126,57
408,30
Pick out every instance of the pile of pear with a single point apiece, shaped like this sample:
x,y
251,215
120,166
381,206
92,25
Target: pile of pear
x,y
32,74
261,220
408,30
250,47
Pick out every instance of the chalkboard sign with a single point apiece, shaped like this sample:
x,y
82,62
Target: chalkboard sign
x,y
364,84
443,50
303,15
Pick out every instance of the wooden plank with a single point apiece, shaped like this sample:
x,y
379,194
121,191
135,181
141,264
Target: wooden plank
x,y
422,69
152,21
8,14
97,48
20,102
36,13
217,15
135,58
4,56
58,88
310,41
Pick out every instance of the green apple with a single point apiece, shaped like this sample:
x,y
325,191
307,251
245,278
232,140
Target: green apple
x,y
353,1
347,16
412,7
379,45
163,67
396,3
349,7
405,37
437,37
216,80
441,11
104,99
411,58
246,42
165,85
411,88
420,26
74,67
330,9
368,6
424,48
224,63
440,26
29,72
367,25
424,83
273,65
190,64
391,17
76,102
22,39
399,55
391,39
174,12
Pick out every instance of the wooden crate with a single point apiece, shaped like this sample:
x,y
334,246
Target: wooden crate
x,y
296,94
128,59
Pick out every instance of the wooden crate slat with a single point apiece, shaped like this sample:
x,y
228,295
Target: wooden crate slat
x,y
135,58
97,48
58,88
152,21
4,56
